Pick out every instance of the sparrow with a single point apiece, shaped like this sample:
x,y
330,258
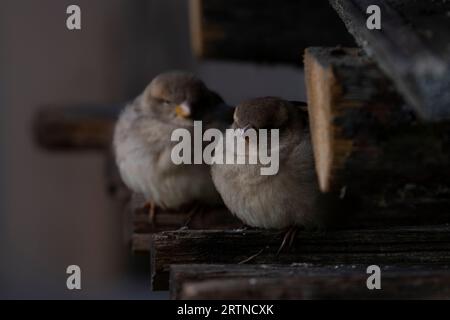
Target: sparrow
x,y
142,141
286,199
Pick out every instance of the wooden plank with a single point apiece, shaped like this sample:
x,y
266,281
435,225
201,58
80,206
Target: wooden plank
x,y
75,128
189,273
262,30
361,127
412,48
394,285
399,245
408,211
412,213
218,218
215,217
181,275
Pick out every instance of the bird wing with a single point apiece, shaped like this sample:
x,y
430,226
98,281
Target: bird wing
x,y
221,117
302,110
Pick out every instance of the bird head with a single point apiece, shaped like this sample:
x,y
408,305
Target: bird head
x,y
177,96
262,113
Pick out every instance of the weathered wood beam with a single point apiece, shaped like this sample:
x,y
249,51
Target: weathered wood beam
x,y
262,30
75,127
215,218
218,218
365,138
394,285
409,214
183,274
403,212
414,245
416,211
412,48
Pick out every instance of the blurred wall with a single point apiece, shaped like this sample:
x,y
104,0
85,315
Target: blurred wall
x,y
55,211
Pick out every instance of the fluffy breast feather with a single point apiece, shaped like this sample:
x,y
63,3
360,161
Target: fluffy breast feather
x,y
277,201
143,153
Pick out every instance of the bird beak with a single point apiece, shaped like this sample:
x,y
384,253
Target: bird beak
x,y
183,110
243,130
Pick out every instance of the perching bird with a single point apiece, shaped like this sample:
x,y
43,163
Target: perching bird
x,y
143,146
286,199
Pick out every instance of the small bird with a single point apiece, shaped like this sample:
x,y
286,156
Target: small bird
x,y
286,199
143,146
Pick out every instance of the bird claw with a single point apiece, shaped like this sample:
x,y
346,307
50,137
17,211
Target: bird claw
x,y
196,209
150,207
288,239
251,257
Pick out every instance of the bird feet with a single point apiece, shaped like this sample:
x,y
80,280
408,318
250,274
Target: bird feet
x,y
197,208
288,238
251,257
150,207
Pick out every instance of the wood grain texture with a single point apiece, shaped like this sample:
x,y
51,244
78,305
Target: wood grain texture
x,y
75,128
218,218
417,213
412,48
182,276
262,30
408,246
395,285
365,137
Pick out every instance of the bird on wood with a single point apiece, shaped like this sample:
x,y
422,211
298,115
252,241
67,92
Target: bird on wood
x,y
143,146
287,199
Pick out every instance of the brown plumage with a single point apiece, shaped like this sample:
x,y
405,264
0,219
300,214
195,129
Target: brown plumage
x,y
143,147
287,198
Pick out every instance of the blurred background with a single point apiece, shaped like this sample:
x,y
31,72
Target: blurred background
x,y
54,208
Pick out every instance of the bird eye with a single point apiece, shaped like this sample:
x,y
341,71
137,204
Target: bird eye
x,y
164,101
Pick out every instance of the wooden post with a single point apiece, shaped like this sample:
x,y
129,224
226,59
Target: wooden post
x,y
262,30
412,48
75,127
365,138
